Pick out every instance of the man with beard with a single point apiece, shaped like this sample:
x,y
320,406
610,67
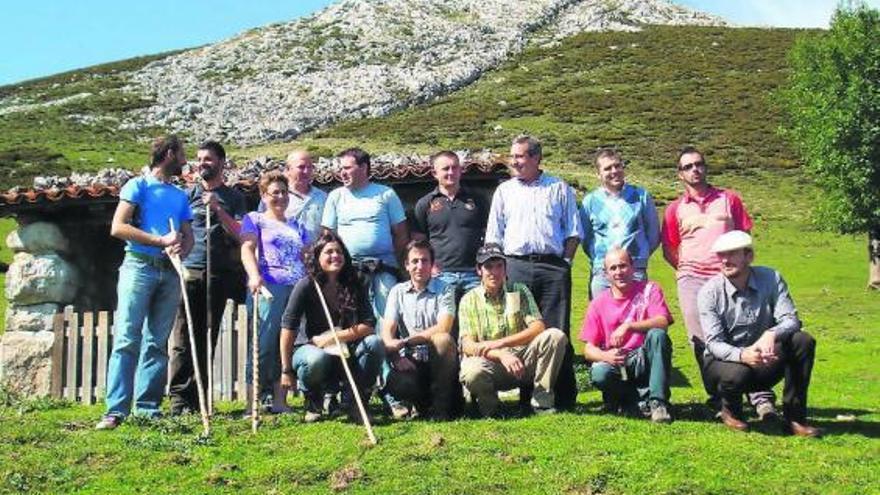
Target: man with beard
x,y
753,336
148,291
227,208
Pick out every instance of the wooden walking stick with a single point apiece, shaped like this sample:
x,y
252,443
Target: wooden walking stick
x,y
209,320
178,266
342,355
255,366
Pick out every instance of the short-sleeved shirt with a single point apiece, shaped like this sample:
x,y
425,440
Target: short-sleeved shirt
x,y
280,247
363,219
304,313
485,318
414,310
733,319
691,225
643,301
627,220
156,202
533,217
455,227
307,209
225,252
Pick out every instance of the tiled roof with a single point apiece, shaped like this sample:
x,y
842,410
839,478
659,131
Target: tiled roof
x,y
17,197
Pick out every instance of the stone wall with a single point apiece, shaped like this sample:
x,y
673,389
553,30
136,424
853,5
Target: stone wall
x,y
39,281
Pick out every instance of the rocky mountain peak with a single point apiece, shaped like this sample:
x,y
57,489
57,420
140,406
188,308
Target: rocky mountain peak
x,y
360,58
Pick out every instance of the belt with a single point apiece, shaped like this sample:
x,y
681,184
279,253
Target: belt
x,y
537,258
160,262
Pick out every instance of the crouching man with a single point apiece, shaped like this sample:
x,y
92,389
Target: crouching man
x,y
753,336
625,338
504,340
416,330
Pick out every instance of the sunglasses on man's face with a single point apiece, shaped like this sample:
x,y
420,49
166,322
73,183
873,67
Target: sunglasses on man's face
x,y
687,167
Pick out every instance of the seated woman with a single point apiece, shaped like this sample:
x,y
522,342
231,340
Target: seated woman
x,y
272,248
308,350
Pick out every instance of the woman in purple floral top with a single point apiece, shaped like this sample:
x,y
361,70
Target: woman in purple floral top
x,y
272,249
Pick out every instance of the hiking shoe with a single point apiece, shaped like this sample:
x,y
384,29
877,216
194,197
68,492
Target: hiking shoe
x,y
314,407
766,411
399,412
543,411
108,422
659,413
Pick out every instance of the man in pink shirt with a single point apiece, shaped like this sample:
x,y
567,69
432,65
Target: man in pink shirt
x,y
624,335
691,224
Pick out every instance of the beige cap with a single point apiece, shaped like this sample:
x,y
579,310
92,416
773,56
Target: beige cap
x,y
731,241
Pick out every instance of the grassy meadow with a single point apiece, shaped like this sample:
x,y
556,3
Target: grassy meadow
x,y
647,93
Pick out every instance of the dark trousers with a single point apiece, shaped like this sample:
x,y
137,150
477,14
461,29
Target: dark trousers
x,y
550,282
182,386
796,353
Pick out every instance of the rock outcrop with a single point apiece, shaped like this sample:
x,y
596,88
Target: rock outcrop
x,y
363,58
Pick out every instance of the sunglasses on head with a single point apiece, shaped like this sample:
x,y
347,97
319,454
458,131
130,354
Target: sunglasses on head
x,y
687,167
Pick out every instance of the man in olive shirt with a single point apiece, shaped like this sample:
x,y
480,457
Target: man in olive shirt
x,y
504,340
753,336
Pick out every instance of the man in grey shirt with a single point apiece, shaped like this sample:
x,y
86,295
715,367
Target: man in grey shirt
x,y
753,336
416,330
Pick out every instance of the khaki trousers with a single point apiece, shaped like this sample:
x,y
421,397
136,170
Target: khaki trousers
x,y
542,359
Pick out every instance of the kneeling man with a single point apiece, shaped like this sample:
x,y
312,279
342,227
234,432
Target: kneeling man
x,y
625,338
753,336
416,331
504,340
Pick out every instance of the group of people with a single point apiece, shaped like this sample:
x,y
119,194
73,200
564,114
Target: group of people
x,y
486,301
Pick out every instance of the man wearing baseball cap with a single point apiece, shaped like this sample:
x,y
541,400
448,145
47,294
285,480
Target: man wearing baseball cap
x,y
753,336
504,340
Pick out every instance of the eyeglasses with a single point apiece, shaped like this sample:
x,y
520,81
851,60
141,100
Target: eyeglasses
x,y
687,167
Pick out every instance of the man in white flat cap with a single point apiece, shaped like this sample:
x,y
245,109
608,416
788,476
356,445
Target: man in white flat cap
x,y
753,336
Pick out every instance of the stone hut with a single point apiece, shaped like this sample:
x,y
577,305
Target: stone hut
x,y
64,255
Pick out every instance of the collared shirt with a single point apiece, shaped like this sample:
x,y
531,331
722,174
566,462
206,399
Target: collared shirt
x,y
643,301
307,209
156,202
733,319
691,225
485,318
414,310
627,220
363,218
455,227
225,248
533,217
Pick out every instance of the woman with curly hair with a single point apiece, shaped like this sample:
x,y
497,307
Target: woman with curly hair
x,y
272,248
308,350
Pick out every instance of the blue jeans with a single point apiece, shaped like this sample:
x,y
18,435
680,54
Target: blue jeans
x,y
148,298
462,281
647,370
318,371
598,282
269,328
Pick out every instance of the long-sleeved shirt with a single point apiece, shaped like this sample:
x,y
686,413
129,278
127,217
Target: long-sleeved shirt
x,y
733,319
533,217
627,220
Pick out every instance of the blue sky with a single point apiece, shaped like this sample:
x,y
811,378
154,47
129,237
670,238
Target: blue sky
x,y
42,37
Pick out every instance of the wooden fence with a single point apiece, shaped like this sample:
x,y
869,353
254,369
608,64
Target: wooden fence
x,y
83,341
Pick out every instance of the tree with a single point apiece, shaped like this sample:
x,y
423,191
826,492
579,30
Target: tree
x,y
833,104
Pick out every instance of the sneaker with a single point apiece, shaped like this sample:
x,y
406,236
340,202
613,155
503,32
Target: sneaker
x,y
314,409
543,411
399,412
659,414
766,411
108,422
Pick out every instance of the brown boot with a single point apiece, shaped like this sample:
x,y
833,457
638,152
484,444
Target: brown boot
x,y
731,421
803,430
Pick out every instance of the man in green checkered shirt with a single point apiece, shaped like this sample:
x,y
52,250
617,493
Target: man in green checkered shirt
x,y
503,339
